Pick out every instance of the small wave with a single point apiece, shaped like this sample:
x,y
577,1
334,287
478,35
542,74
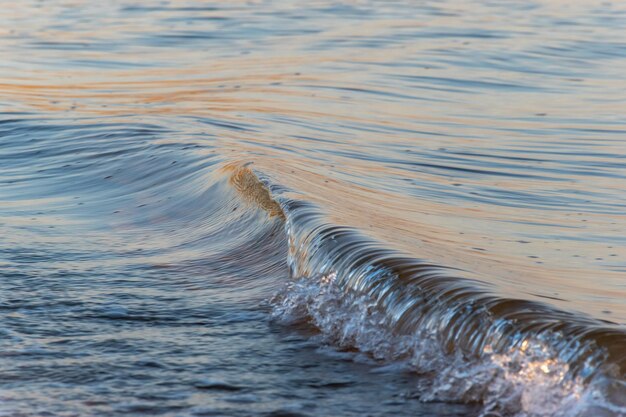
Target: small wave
x,y
252,189
515,357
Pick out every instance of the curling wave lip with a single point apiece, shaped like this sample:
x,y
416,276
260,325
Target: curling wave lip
x,y
515,356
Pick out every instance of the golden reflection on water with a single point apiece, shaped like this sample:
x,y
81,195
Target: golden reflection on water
x,y
345,100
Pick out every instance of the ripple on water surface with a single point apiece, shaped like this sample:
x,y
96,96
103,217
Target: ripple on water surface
x,y
479,160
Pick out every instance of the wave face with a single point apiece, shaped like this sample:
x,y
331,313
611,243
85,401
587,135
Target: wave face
x,y
338,208
516,357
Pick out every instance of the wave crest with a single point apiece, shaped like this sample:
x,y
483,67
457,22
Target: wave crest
x,y
516,357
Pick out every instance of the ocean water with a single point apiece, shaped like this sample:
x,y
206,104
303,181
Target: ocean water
x,y
322,208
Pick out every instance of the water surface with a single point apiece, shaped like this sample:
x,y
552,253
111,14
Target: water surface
x,y
444,232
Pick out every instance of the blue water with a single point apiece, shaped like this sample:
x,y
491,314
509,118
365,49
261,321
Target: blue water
x,y
310,209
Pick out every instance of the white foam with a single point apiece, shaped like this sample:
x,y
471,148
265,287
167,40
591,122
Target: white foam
x,y
526,381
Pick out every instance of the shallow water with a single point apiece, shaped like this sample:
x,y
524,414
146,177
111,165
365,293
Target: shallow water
x,y
444,232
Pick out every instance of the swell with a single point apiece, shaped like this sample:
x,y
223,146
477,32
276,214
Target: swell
x,y
122,195
517,357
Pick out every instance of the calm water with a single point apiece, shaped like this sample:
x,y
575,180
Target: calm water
x,y
324,208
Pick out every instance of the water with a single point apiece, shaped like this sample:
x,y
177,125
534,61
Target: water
x,y
313,208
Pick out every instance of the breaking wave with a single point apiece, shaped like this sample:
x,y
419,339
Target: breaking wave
x,y
513,356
